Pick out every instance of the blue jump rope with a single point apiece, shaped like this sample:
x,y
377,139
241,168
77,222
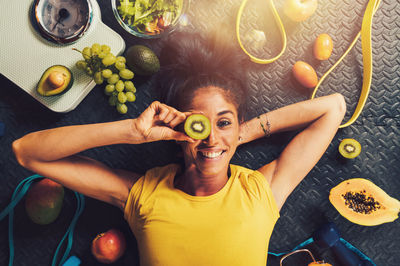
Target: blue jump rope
x,y
326,237
19,192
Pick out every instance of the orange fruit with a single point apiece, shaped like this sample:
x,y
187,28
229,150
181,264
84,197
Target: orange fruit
x,y
323,47
305,74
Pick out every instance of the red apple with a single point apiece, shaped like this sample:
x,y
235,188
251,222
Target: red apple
x,y
299,10
109,246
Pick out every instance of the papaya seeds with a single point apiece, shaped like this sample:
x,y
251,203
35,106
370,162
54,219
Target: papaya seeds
x,y
197,126
349,148
44,201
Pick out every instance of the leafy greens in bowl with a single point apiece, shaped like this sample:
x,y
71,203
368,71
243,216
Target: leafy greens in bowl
x,y
148,18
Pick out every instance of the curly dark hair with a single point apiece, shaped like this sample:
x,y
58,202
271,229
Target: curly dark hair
x,y
190,62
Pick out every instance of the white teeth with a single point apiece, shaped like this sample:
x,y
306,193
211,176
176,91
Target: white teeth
x,y
211,154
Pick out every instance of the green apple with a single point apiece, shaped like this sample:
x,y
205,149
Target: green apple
x,y
299,10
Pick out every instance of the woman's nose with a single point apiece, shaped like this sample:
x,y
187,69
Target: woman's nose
x,y
212,139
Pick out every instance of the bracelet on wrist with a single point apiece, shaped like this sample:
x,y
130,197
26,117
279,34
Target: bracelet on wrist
x,y
267,128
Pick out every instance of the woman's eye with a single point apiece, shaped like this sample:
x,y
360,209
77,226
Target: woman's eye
x,y
223,123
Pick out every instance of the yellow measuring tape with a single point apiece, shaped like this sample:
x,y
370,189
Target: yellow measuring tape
x,y
366,47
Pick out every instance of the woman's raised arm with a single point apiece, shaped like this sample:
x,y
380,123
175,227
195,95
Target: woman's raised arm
x,y
53,153
319,118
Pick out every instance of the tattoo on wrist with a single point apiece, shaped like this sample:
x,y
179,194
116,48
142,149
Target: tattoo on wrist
x,y
267,128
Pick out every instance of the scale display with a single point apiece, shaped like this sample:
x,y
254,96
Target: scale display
x,y
64,21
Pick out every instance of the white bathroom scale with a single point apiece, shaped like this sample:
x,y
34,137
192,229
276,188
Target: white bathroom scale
x,y
25,54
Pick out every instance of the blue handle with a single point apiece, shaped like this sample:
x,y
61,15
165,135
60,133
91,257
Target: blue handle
x,y
328,237
72,261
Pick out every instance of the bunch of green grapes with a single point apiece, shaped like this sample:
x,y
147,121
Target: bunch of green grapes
x,y
105,67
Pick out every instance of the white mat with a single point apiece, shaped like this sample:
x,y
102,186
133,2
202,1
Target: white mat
x,y
25,55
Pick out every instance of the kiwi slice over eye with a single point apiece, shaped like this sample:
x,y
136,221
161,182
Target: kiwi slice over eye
x,y
349,148
197,126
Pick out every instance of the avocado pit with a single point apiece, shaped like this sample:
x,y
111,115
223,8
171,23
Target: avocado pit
x,y
55,80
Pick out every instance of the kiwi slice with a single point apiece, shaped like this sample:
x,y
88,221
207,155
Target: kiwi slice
x,y
197,126
349,148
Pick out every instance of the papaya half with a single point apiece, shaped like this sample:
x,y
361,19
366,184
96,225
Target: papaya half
x,y
44,201
364,203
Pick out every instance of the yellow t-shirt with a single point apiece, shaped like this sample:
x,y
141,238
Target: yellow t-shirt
x,y
230,227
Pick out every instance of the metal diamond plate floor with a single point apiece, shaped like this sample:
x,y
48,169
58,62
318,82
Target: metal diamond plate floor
x,y
271,86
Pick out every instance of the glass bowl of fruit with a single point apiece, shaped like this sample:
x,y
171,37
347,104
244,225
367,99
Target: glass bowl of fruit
x,y
149,18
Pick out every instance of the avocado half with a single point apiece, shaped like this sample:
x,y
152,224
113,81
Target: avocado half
x,y
46,88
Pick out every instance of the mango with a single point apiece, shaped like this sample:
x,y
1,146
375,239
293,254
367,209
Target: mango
x,y
44,201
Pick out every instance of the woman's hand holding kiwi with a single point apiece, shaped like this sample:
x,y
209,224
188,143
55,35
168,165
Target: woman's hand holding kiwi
x,y
157,122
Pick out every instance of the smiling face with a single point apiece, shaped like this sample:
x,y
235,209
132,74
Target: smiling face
x,y
211,156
